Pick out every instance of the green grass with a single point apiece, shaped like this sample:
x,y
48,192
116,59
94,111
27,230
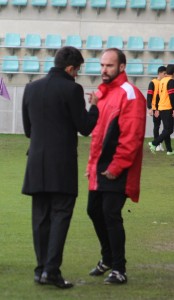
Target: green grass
x,y
149,232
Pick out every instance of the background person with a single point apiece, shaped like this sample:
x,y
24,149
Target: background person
x,y
165,106
115,160
53,113
151,103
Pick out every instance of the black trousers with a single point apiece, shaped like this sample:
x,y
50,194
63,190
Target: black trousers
x,y
156,125
167,119
51,216
104,209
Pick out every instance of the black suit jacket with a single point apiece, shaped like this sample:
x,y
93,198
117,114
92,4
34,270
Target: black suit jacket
x,y
53,111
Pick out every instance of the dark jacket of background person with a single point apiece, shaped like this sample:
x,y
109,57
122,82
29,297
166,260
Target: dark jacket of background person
x,y
53,113
117,140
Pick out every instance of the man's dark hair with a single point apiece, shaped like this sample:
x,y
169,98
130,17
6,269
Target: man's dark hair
x,y
170,69
68,56
121,55
161,69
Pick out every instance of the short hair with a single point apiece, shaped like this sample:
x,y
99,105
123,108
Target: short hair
x,y
161,69
121,55
68,56
170,69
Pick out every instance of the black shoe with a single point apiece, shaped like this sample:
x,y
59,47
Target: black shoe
x,y
115,277
55,279
37,278
100,269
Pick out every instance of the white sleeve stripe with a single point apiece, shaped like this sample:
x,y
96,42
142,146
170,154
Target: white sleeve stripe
x,y
129,90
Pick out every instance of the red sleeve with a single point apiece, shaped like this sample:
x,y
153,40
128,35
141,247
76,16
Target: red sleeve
x,y
132,121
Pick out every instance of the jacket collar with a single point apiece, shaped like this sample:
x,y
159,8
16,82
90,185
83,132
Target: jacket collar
x,y
105,87
61,73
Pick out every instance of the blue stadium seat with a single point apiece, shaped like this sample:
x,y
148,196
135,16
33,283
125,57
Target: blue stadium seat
x,y
172,4
59,4
154,64
158,5
30,64
3,3
12,41
19,3
78,4
39,3
138,5
114,41
98,4
118,3
53,41
94,42
10,64
171,61
171,44
32,41
74,40
135,44
92,66
134,67
156,44
48,64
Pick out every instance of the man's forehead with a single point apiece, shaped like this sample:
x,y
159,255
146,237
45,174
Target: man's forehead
x,y
109,56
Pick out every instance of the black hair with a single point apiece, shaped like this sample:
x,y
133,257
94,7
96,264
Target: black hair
x,y
68,56
161,69
170,69
121,55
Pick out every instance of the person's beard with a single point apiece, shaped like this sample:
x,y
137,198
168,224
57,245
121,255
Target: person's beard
x,y
110,78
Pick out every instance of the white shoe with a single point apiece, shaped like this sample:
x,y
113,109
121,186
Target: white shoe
x,y
170,153
161,147
158,148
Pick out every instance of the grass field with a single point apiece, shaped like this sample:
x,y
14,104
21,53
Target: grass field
x,y
149,231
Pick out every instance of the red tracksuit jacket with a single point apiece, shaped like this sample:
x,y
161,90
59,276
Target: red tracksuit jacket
x,y
117,139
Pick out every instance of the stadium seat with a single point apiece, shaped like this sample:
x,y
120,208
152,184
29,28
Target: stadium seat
x,y
114,41
156,44
135,44
32,41
30,64
74,40
92,67
138,5
78,4
158,5
19,3
154,64
94,42
172,4
118,5
53,41
12,41
39,3
59,4
171,44
48,64
10,64
98,4
134,67
3,3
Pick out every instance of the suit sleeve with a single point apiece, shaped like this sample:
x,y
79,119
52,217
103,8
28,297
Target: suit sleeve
x,y
150,93
83,120
25,115
132,121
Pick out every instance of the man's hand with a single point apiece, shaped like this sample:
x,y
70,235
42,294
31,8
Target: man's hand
x,y
92,98
150,112
108,175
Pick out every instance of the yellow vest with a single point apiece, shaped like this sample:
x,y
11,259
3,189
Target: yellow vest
x,y
164,103
156,86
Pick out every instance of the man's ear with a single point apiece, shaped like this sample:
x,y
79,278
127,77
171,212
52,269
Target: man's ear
x,y
122,67
69,69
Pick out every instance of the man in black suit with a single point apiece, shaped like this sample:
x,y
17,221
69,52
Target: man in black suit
x,y
53,111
